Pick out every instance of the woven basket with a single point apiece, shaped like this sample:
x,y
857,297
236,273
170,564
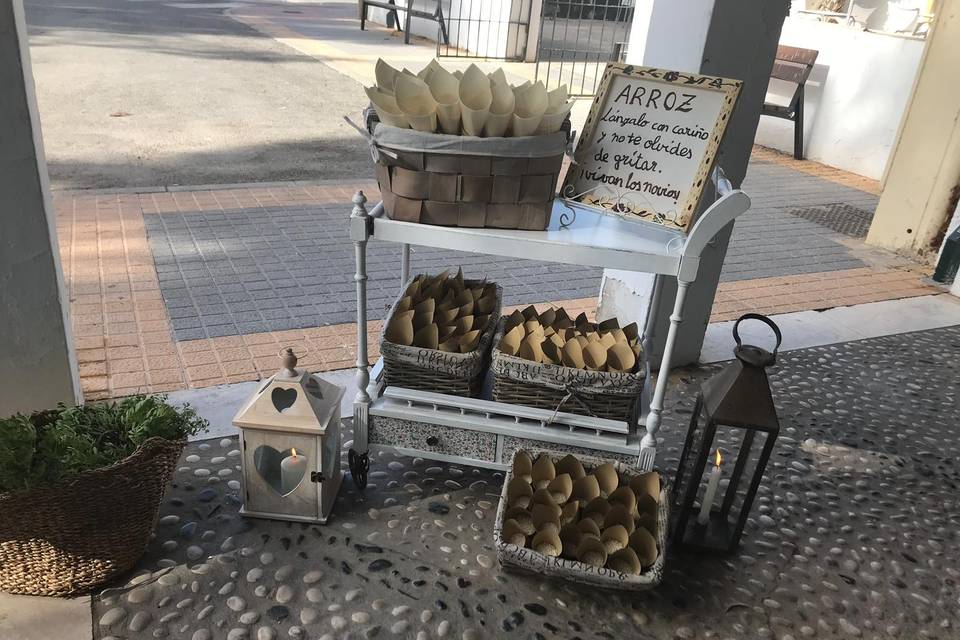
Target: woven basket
x,y
65,539
458,374
614,396
463,181
529,560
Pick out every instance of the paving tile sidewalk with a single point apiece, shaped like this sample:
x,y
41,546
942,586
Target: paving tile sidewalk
x,y
186,289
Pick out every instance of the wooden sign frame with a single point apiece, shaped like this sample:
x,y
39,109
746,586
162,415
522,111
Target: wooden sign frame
x,y
682,217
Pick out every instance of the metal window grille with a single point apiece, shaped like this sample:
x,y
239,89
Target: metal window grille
x,y
496,29
577,40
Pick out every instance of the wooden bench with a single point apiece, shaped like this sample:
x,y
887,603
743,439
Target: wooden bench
x,y
392,8
792,65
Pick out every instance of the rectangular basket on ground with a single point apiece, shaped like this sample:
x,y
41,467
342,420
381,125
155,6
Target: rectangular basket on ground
x,y
527,559
458,374
614,396
465,181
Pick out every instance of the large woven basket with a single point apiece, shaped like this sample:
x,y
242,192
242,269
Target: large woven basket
x,y
464,181
614,396
458,374
526,559
65,539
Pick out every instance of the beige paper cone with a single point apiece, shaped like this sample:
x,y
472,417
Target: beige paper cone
x,y
413,289
475,98
386,107
480,322
543,472
501,111
428,337
522,517
547,542
386,76
597,510
625,561
542,496
514,319
545,515
620,357
557,98
405,304
614,538
428,305
531,104
607,340
513,533
449,345
552,354
561,487
400,330
573,354
592,551
447,316
631,331
647,484
469,341
530,348
644,546
610,324
523,466
458,74
432,67
445,89
422,319
618,515
519,488
510,344
416,102
570,512
586,488
485,303
648,521
548,317
589,527
571,466
595,356
626,497
607,478
446,331
464,324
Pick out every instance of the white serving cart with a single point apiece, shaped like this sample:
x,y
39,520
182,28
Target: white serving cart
x,y
486,433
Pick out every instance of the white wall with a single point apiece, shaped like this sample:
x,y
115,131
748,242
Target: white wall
x,y
855,97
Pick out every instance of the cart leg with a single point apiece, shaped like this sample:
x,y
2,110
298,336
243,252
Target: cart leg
x,y
648,445
404,265
650,326
358,456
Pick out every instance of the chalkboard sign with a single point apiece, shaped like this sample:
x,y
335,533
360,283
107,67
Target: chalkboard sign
x,y
649,143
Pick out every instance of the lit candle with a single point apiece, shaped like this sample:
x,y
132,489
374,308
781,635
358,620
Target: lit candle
x,y
708,498
292,469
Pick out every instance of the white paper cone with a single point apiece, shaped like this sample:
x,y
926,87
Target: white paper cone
x,y
445,89
498,77
386,107
557,99
448,117
501,111
553,120
416,102
531,103
386,76
432,66
475,98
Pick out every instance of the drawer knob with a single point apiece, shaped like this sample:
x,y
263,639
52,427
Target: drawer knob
x,y
432,441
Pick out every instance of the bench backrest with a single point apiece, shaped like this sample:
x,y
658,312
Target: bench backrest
x,y
793,64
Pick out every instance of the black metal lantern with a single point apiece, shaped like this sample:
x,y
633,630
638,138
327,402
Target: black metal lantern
x,y
732,432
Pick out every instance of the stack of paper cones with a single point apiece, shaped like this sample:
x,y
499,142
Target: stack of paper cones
x,y
442,312
598,518
471,103
552,337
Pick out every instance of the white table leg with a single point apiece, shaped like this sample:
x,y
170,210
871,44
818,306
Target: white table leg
x,y
404,265
358,458
648,445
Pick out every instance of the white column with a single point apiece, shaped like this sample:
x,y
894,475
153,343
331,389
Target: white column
x,y
730,38
37,361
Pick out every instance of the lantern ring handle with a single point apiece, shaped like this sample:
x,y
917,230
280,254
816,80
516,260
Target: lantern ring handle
x,y
765,320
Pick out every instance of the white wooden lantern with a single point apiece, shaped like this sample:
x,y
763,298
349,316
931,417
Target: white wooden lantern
x,y
290,440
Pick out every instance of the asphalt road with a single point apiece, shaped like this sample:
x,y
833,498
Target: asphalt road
x,y
137,93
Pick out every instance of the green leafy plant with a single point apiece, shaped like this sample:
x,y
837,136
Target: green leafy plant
x,y
49,445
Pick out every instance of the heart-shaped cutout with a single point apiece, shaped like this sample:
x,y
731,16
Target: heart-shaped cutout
x,y
282,470
283,399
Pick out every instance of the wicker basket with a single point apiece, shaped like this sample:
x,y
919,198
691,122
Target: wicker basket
x,y
527,559
69,537
464,181
614,396
458,374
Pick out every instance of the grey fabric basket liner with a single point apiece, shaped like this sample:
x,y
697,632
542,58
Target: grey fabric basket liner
x,y
387,137
554,376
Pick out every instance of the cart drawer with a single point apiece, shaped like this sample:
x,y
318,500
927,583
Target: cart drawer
x,y
428,438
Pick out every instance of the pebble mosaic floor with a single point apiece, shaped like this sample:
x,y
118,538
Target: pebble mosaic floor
x,y
854,534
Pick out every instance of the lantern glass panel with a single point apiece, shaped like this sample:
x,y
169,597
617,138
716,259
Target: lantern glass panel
x,y
331,456
273,486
